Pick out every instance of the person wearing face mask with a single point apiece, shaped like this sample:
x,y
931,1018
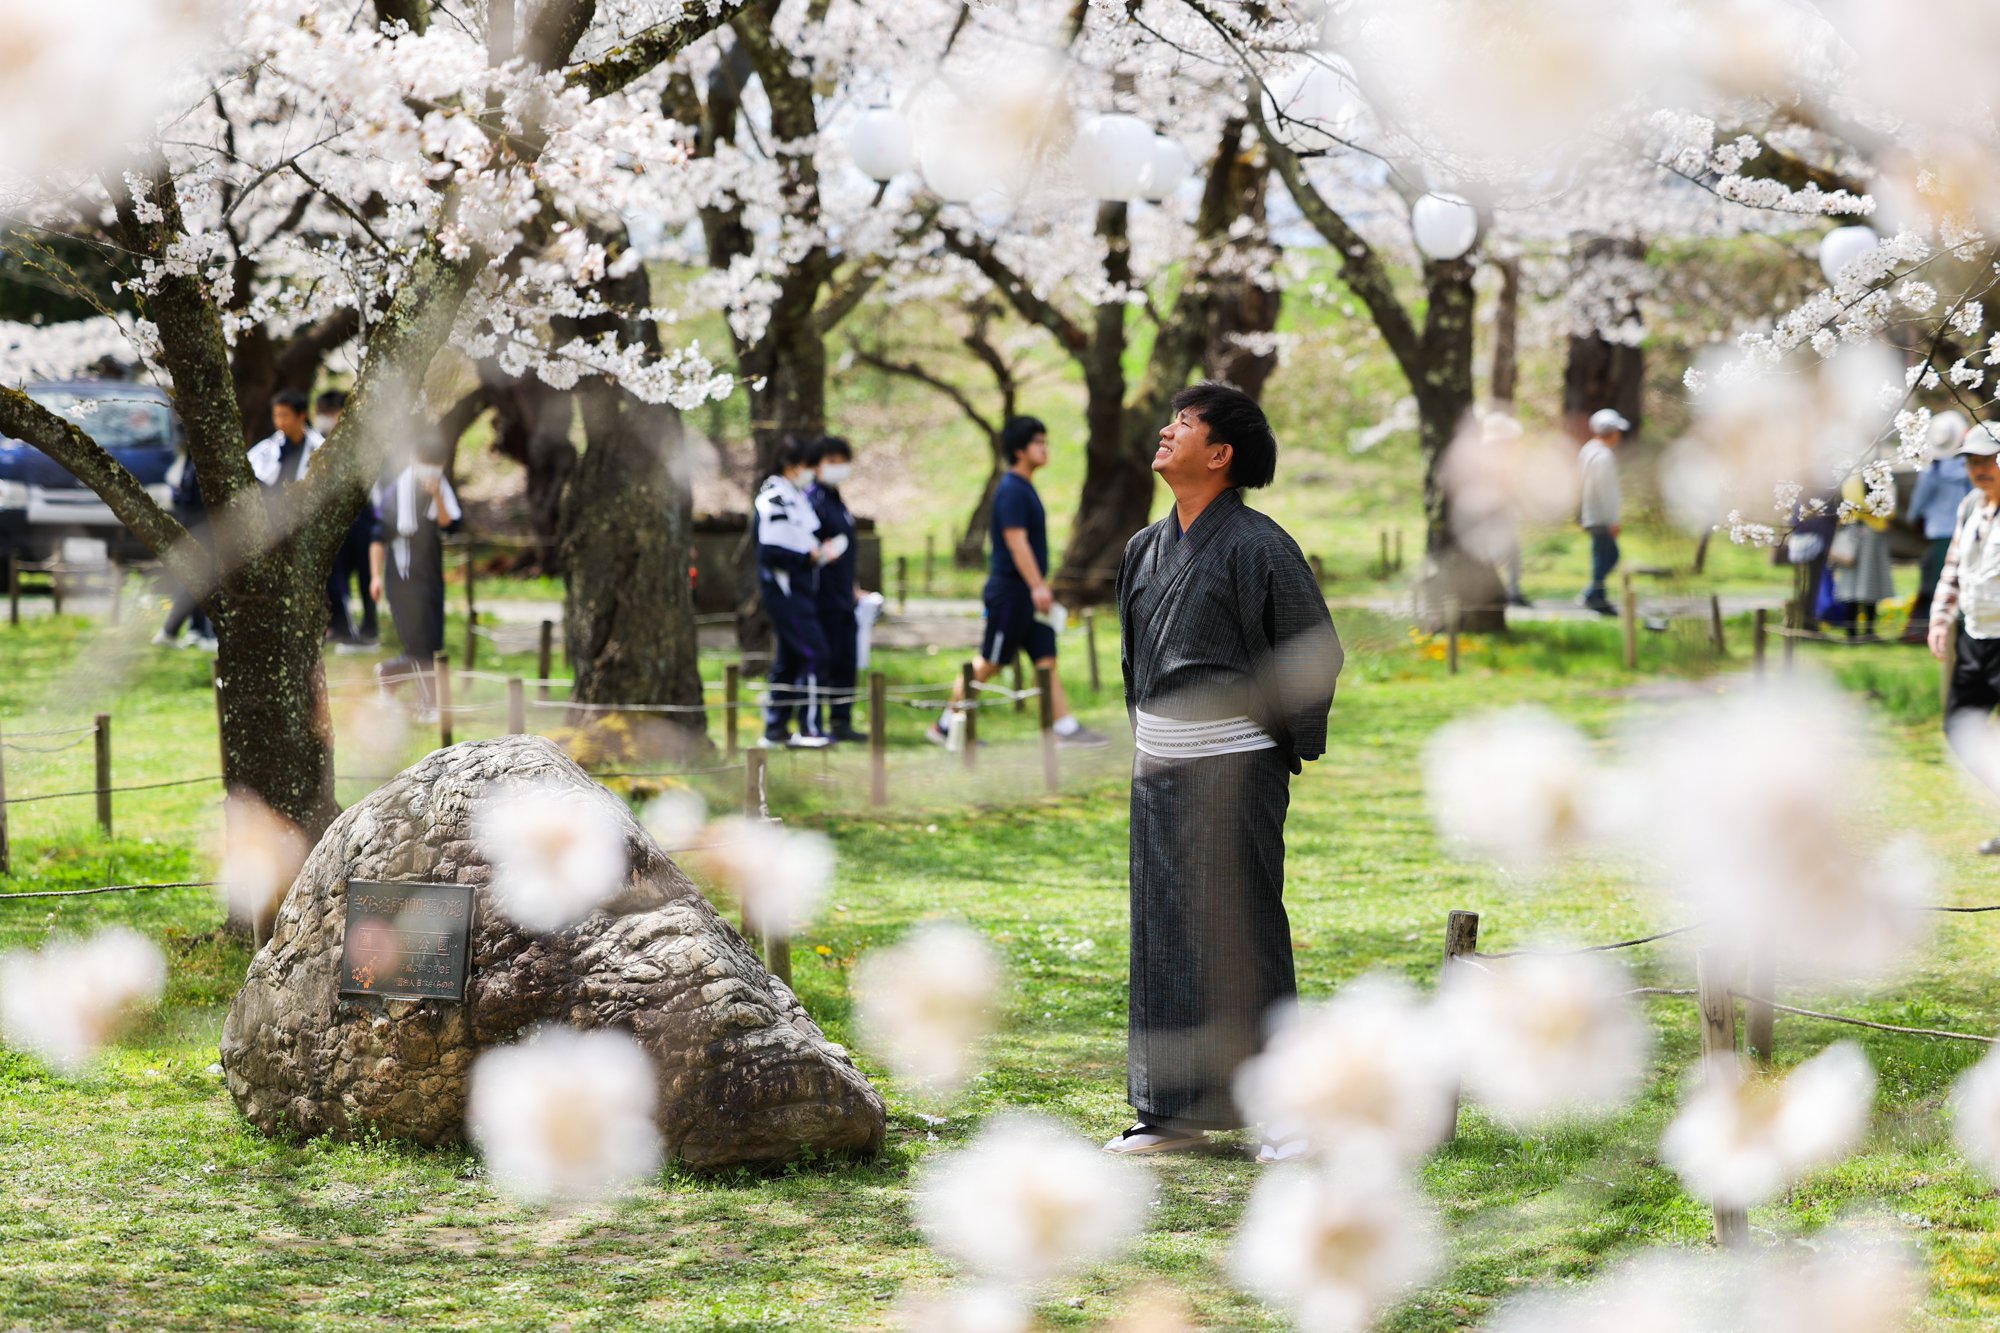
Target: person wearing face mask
x,y
350,561
832,460
790,554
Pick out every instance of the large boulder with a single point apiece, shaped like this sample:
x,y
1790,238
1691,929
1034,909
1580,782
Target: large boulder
x,y
744,1075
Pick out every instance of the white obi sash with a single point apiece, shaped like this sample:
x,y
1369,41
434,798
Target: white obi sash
x,y
1166,738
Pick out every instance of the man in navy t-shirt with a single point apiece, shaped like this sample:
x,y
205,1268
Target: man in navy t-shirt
x,y
1017,590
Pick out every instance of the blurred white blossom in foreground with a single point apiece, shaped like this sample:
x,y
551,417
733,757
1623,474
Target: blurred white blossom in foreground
x,y
1740,1140
927,1004
1539,1037
1517,785
1499,477
376,730
780,876
1849,1283
965,1310
675,819
1660,1292
1333,1244
261,855
1027,1199
80,79
64,1002
565,1115
557,853
1975,1106
1754,818
1366,1072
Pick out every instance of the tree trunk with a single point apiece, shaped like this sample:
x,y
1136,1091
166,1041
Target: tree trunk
x,y
277,737
1247,298
1452,577
1507,335
532,426
1601,373
970,552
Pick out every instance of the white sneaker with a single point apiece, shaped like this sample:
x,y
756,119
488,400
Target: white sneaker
x,y
1281,1150
206,644
808,742
162,639
1144,1140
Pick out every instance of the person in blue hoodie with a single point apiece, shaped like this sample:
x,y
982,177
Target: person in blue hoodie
x,y
832,460
790,552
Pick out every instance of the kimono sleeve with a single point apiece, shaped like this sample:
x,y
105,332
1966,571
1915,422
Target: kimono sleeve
x,y
1301,654
1125,629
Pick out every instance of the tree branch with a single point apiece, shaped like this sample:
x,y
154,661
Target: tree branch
x,y
1031,307
911,370
648,51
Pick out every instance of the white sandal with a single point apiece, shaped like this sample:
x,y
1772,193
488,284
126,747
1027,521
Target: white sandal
x,y
1142,1140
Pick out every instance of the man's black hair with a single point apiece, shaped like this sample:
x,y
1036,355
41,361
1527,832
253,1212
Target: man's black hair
x,y
1234,419
292,398
333,400
829,446
1018,434
793,452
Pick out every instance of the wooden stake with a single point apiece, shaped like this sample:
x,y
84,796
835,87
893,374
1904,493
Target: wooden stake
x,y
1045,681
1383,534
1760,633
1628,619
471,639
878,738
1718,1045
1399,551
930,562
1759,1019
756,800
1090,646
544,659
1715,624
732,689
1461,940
55,587
6,855
115,575
1319,571
517,707
104,772
902,584
13,592
970,757
441,684
1451,634
471,572
1020,695
778,956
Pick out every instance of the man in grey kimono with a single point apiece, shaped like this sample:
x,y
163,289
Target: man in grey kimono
x,y
1230,660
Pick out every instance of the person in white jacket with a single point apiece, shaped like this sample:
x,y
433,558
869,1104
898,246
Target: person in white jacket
x,y
1599,513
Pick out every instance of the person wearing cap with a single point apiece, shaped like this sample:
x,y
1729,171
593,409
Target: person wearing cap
x,y
1968,598
1940,488
1599,512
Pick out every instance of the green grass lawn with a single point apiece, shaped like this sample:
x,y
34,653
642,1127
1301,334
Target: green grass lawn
x,y
136,1196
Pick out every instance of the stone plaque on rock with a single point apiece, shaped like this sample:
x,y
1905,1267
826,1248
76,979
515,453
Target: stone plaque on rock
x,y
406,941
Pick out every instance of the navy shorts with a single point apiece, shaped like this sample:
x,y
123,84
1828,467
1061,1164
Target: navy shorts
x,y
1011,627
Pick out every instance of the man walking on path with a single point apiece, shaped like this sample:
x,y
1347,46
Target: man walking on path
x,y
1601,503
1968,597
1230,661
1019,601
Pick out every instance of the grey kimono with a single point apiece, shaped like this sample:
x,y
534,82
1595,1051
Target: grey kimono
x,y
1230,660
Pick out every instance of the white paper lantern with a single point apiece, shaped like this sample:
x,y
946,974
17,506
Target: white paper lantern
x,y
881,143
1446,225
1842,246
953,170
1165,169
1315,105
1113,155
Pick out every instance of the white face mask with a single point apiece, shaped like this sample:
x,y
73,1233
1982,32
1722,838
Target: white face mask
x,y
324,425
835,473
804,478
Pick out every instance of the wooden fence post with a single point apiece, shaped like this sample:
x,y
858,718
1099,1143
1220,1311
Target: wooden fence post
x,y
1628,621
1020,695
115,577
970,755
441,684
471,639
1318,569
544,660
1759,1019
6,856
732,689
55,587
930,562
878,738
1383,534
517,706
902,584
1715,624
104,772
1760,633
471,572
1451,634
1045,681
13,592
1090,646
755,806
1718,1044
1461,940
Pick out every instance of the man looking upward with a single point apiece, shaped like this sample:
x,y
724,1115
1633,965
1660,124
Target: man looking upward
x,y
1230,660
